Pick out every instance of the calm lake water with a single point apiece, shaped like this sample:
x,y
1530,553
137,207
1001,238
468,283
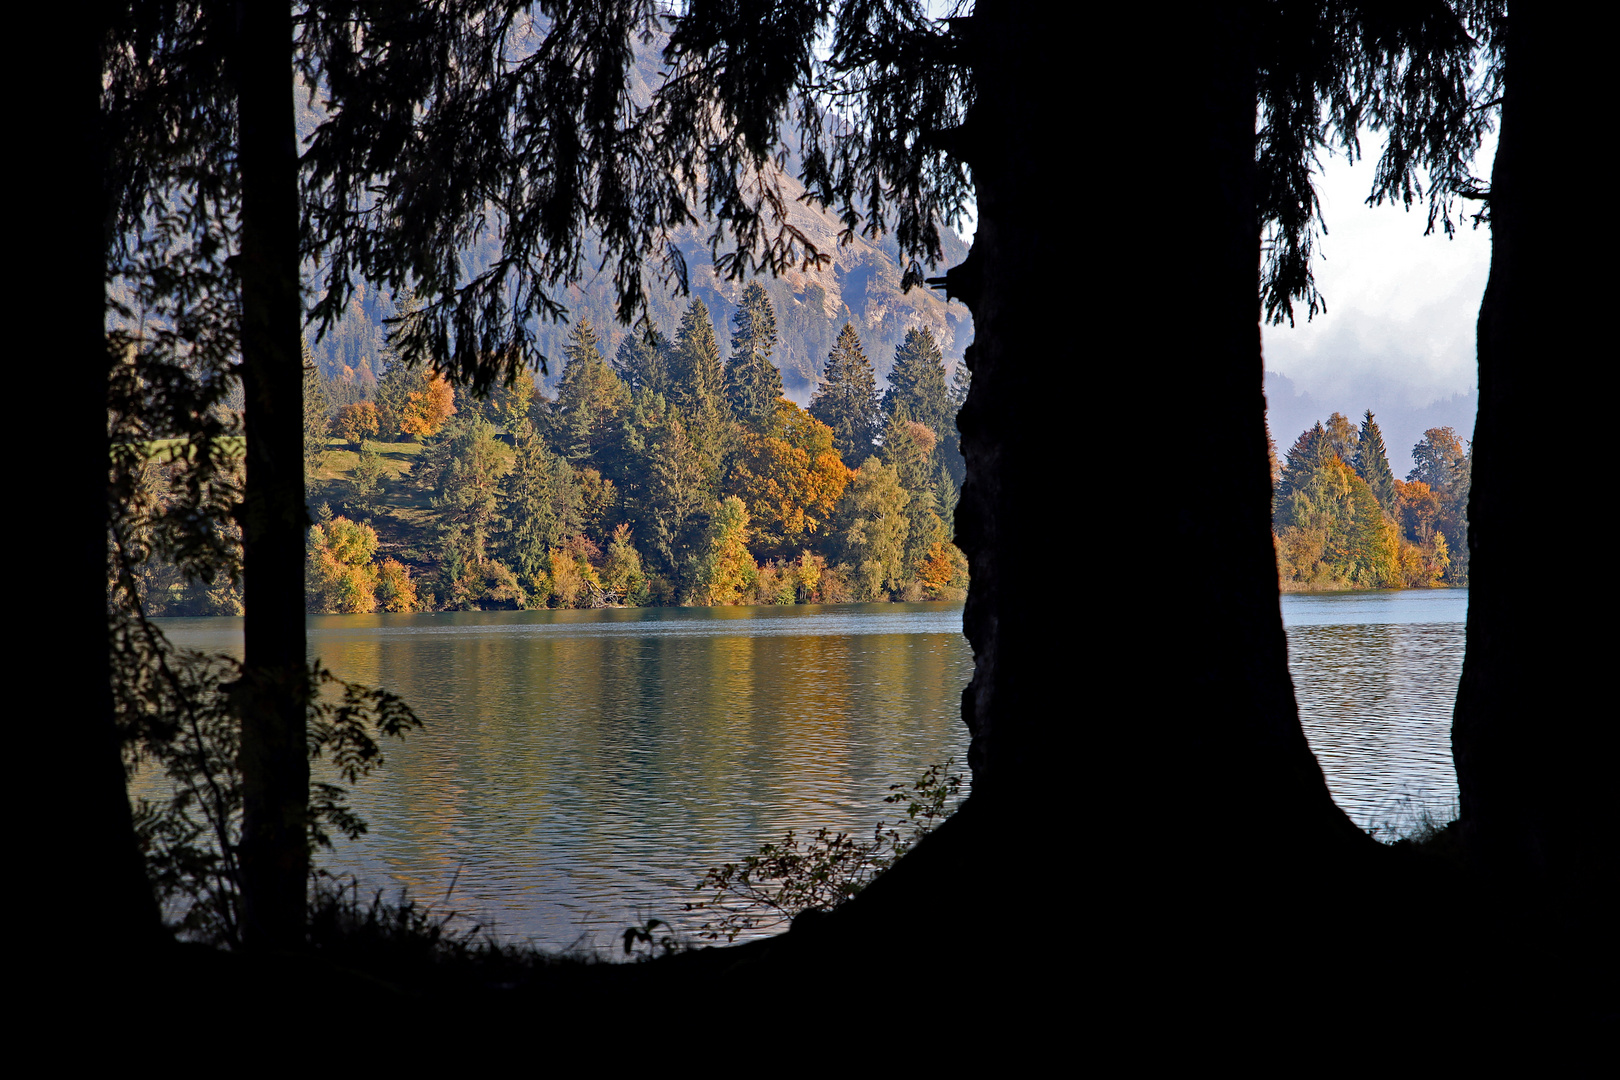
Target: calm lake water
x,y
580,769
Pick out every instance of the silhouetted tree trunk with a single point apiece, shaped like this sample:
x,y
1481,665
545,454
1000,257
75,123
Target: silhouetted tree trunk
x,y
100,895
1200,688
1138,752
275,769
1526,735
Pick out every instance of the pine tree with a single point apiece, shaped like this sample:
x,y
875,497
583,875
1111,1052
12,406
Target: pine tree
x,y
1372,464
753,382
918,381
642,361
697,383
1303,459
846,400
590,398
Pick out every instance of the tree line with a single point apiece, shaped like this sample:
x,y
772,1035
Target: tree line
x,y
669,474
1342,520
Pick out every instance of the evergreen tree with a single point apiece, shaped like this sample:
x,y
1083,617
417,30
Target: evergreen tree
x,y
1303,459
539,503
846,399
642,361
753,382
590,398
697,384
696,373
1372,464
961,380
917,382
393,396
676,490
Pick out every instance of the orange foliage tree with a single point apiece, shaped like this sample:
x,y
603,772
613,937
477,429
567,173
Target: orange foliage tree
x,y
790,478
426,411
356,422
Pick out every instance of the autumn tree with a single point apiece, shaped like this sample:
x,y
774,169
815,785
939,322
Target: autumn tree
x,y
426,410
846,398
1342,437
621,568
725,570
1442,461
908,448
790,480
356,422
341,578
876,528
752,382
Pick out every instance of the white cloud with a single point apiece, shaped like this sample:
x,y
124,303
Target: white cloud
x,y
1399,329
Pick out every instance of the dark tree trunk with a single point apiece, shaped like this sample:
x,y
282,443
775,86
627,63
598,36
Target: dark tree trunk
x,y
1142,785
1180,674
1526,735
102,899
275,768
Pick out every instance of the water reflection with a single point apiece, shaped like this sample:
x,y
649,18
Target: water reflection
x,y
1376,676
579,769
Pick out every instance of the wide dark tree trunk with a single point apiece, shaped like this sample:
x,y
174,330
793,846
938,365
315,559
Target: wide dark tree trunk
x,y
1171,679
275,768
1142,788
1528,732
99,891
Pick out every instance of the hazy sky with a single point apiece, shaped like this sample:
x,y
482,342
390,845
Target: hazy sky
x,y
1399,329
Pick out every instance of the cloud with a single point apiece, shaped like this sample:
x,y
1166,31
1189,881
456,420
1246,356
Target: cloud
x,y
1398,334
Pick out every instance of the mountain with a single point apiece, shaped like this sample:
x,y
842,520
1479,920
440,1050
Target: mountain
x,y
861,286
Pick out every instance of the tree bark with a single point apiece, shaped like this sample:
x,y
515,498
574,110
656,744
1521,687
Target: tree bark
x,y
274,518
1526,735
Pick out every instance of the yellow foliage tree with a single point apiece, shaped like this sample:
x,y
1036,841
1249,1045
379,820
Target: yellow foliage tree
x,y
426,411
339,576
790,480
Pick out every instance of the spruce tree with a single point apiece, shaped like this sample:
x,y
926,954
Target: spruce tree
x,y
846,399
917,381
1303,459
697,384
1372,464
642,361
696,371
590,398
753,383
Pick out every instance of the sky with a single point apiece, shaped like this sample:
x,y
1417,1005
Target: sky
x,y
1398,333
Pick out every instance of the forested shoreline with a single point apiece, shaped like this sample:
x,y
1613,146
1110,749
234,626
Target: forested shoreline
x,y
666,474
1342,520
671,475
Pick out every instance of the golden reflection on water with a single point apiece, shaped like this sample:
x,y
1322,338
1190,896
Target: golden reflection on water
x,y
580,769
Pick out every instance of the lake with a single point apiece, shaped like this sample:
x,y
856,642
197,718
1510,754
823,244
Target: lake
x,y
580,769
